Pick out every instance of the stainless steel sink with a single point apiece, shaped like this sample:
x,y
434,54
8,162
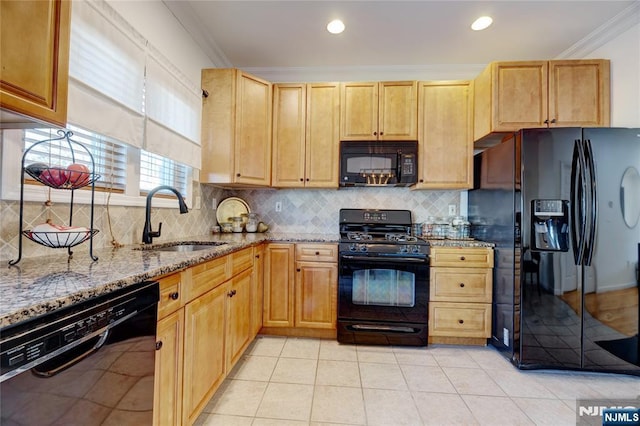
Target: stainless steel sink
x,y
183,247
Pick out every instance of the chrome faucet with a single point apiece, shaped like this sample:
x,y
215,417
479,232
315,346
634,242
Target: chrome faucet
x,y
147,233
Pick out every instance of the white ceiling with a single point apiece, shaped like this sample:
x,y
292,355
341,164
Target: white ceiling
x,y
292,34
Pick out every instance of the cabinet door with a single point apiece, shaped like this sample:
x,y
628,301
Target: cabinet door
x,y
322,135
446,140
252,153
579,93
398,110
316,294
167,400
204,357
289,112
359,111
34,53
278,285
519,95
239,317
257,291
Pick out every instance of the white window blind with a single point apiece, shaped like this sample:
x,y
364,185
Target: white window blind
x,y
110,157
106,69
156,170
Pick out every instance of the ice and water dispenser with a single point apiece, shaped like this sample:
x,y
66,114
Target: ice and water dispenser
x,y
550,225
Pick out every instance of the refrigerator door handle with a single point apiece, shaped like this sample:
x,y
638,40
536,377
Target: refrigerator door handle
x,y
578,222
593,203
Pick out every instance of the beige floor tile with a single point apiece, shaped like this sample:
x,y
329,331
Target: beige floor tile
x,y
237,398
338,373
522,384
267,346
453,357
490,359
254,368
222,420
390,407
614,385
414,356
568,385
496,411
277,422
338,404
380,354
286,401
441,409
427,379
295,370
301,348
472,381
382,376
550,412
331,349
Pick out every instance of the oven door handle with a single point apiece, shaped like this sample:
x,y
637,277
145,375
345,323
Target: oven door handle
x,y
380,259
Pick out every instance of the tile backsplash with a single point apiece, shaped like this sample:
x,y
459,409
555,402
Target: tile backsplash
x,y
303,211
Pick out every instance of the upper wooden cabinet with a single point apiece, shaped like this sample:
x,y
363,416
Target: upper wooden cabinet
x,y
445,135
34,61
306,136
236,128
513,95
379,110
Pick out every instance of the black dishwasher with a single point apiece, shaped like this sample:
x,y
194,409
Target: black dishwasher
x,y
91,363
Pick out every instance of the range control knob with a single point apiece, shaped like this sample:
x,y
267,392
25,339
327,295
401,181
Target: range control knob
x,y
404,249
415,249
353,247
363,247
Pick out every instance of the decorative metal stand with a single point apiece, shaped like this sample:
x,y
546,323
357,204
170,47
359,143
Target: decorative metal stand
x,y
57,177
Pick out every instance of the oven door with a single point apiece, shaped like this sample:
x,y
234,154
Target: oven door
x,y
383,296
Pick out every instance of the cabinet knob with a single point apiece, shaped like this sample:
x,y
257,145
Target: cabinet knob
x,y
174,296
298,269
238,174
158,345
231,293
462,258
421,180
307,179
301,180
317,253
257,256
461,284
375,133
546,121
381,133
553,120
460,321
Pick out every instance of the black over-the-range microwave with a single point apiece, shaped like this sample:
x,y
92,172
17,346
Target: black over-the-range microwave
x,y
378,163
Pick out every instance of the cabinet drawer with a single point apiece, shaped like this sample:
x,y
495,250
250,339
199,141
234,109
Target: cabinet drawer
x,y
241,260
459,319
461,285
317,252
170,295
206,276
462,257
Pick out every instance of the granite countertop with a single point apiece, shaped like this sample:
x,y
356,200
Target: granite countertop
x,y
39,285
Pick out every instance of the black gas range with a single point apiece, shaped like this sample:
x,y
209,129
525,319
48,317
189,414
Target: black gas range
x,y
383,279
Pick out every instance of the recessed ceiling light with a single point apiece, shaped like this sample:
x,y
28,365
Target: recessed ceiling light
x,y
335,27
481,23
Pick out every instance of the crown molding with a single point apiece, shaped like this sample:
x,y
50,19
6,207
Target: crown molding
x,y
372,72
605,33
193,25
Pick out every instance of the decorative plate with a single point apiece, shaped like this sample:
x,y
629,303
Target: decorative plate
x,y
232,207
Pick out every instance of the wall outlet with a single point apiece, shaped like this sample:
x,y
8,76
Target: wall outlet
x,y
452,209
505,337
197,203
278,206
214,203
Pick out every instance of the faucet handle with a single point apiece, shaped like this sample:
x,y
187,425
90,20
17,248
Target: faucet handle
x,y
158,232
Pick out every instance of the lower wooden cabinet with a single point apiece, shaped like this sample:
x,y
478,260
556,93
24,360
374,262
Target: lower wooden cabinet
x,y
167,402
204,356
257,290
305,299
205,323
460,295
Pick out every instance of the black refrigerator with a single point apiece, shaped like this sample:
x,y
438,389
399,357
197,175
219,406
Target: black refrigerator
x,y
563,209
